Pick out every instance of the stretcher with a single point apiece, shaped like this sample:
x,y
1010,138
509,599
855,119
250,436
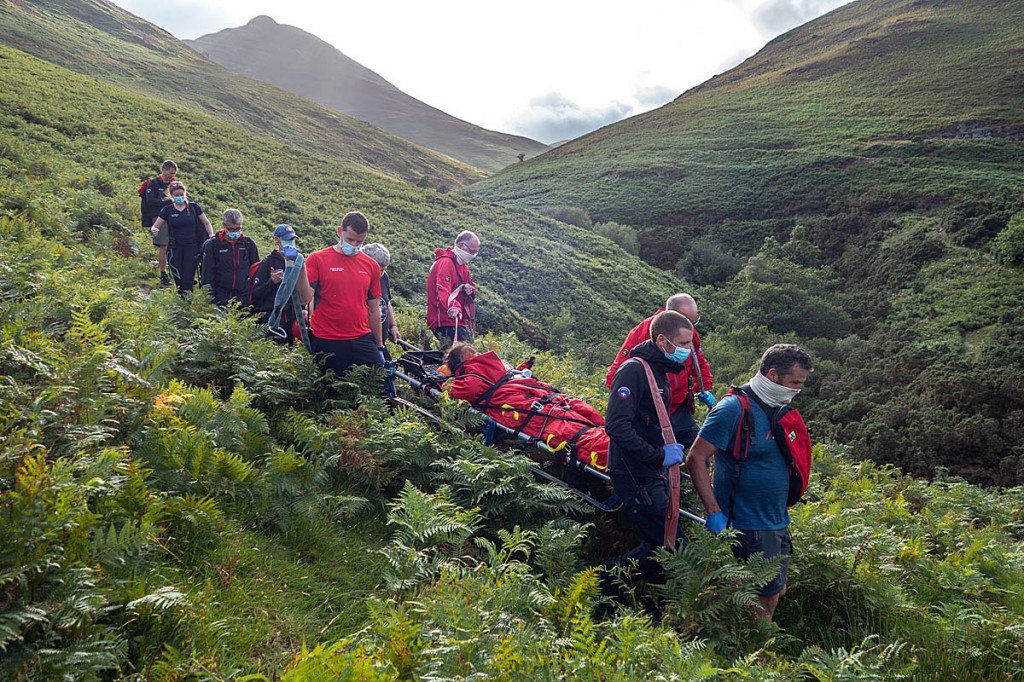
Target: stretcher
x,y
418,368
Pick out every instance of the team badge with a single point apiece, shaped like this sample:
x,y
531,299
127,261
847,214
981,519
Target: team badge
x,y
624,393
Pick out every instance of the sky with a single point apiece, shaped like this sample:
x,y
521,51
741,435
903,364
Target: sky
x,y
547,69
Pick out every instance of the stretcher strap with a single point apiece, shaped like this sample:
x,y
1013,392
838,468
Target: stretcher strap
x,y
668,436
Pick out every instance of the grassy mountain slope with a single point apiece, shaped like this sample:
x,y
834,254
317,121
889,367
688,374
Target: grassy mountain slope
x,y
99,39
302,63
531,268
880,151
891,103
181,500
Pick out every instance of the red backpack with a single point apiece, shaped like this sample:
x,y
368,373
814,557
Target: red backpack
x,y
252,277
790,434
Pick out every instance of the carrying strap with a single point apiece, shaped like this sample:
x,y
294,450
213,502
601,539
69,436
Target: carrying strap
x,y
484,398
668,436
741,439
286,294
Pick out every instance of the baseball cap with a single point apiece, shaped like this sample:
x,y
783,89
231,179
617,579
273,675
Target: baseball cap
x,y
285,232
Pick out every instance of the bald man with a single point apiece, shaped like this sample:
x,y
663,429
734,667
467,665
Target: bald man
x,y
694,379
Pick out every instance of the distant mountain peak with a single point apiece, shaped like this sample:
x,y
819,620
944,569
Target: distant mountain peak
x,y
304,64
262,21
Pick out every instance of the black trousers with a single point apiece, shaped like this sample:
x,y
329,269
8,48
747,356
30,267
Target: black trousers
x,y
645,499
684,426
341,355
182,261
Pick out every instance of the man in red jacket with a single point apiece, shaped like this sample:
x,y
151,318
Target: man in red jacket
x,y
451,293
696,377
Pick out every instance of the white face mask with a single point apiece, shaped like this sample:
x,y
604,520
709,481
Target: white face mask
x,y
463,255
773,394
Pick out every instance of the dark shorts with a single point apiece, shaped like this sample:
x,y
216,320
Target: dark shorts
x,y
770,543
339,356
446,335
161,238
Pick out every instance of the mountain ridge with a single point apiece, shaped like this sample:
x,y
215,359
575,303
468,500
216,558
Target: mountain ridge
x,y
300,62
101,40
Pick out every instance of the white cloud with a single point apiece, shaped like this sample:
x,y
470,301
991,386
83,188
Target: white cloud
x,y
491,63
553,118
778,16
651,96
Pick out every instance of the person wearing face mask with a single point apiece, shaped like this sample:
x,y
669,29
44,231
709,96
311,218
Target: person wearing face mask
x,y
451,292
345,323
185,227
267,280
754,501
637,452
226,259
695,381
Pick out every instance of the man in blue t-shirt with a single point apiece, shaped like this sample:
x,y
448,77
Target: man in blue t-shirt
x,y
756,508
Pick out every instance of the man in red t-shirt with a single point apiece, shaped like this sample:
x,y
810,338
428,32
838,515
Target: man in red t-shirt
x,y
345,286
696,377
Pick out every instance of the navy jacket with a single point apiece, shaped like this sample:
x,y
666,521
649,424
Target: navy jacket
x,y
631,421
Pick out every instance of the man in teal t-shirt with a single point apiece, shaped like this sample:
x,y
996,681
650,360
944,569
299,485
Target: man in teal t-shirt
x,y
757,506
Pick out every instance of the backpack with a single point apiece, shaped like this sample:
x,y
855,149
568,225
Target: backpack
x,y
252,277
790,435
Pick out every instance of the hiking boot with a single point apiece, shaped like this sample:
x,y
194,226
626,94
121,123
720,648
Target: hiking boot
x,y
165,280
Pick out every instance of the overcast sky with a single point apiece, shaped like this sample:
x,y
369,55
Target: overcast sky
x,y
547,69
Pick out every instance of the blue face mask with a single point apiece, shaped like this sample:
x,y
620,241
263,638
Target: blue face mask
x,y
288,244
679,355
350,250
178,200
234,235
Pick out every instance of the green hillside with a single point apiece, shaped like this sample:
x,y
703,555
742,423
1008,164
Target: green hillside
x,y
300,62
182,499
525,272
880,148
99,39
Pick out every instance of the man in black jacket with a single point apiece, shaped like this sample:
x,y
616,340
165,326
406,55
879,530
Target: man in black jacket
x,y
226,259
637,453
153,195
267,281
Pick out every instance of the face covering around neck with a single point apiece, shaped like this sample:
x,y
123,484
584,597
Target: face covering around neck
x,y
463,255
350,250
773,394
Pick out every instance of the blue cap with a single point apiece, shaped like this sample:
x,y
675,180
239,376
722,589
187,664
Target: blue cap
x,y
285,232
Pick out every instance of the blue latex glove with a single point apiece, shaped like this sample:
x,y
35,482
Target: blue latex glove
x,y
717,522
290,253
706,397
673,454
380,352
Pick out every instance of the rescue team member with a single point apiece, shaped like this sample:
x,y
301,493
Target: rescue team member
x,y
153,196
226,260
344,284
685,383
267,281
388,322
758,503
637,454
451,293
184,227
